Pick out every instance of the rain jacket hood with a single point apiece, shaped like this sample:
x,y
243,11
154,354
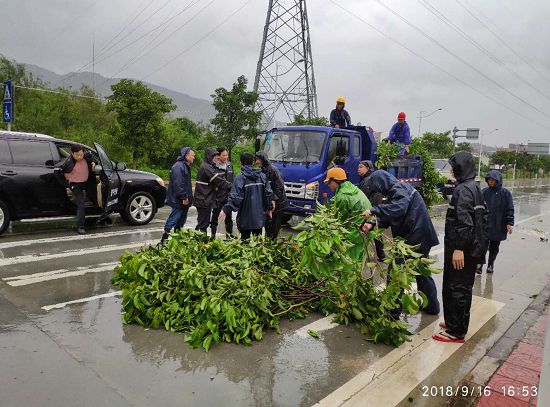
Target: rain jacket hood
x,y
209,154
251,174
263,158
183,153
496,175
463,166
381,181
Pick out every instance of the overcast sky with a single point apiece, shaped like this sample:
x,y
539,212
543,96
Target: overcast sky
x,y
378,77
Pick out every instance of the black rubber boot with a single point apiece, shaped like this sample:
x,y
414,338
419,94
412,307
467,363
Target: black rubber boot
x,y
163,239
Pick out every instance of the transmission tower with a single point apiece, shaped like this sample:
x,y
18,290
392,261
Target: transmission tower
x,y
284,77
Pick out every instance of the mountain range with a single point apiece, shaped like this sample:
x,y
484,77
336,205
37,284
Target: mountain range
x,y
198,110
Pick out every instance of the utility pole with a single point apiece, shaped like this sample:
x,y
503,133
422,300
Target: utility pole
x,y
286,38
481,150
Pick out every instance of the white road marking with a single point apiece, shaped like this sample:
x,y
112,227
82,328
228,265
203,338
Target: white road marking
x,y
370,387
532,217
323,324
81,300
27,279
69,253
21,243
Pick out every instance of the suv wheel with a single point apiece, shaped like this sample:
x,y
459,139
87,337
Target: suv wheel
x,y
4,217
140,209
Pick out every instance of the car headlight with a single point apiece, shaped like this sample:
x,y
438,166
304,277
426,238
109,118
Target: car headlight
x,y
160,181
312,190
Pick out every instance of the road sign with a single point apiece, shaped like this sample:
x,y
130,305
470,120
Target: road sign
x,y
7,102
7,112
472,133
7,92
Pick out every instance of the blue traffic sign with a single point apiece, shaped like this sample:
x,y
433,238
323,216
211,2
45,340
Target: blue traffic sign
x,y
7,92
7,111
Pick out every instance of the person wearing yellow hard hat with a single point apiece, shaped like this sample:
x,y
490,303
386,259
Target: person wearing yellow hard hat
x,y
351,202
339,117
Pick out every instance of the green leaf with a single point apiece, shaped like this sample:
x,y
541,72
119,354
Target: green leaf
x,y
313,334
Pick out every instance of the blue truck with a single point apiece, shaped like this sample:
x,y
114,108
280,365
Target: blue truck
x,y
303,154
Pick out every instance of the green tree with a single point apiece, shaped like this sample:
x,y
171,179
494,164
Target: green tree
x,y
236,114
140,113
464,146
440,145
300,120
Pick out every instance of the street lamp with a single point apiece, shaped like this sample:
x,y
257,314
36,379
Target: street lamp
x,y
422,117
481,150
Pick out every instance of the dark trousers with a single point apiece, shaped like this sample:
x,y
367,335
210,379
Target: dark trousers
x,y
245,233
203,219
426,284
457,295
214,221
176,219
493,249
379,246
80,201
274,224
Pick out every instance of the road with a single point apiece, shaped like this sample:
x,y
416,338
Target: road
x,y
63,343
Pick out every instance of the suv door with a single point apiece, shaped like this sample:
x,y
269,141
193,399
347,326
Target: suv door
x,y
110,182
36,191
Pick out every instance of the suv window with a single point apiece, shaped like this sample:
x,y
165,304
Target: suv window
x,y
5,156
31,153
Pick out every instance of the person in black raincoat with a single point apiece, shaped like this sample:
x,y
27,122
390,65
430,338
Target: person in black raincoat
x,y
251,197
501,216
273,224
179,195
465,245
222,195
405,212
365,169
209,180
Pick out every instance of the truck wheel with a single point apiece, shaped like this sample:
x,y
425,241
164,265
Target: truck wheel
x,y
140,209
4,217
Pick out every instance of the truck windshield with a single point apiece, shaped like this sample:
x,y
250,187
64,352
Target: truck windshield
x,y
295,146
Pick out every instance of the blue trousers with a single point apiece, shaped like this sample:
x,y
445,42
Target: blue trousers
x,y
176,219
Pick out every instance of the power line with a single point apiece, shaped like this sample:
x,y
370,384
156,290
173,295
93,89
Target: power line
x,y
387,36
456,56
140,54
108,47
60,93
489,54
200,39
503,42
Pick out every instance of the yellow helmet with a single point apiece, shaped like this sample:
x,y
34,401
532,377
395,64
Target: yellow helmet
x,y
341,100
337,174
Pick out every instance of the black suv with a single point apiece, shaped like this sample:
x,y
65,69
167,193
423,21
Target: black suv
x,y
30,187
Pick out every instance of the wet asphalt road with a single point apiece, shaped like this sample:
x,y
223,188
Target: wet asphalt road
x,y
62,342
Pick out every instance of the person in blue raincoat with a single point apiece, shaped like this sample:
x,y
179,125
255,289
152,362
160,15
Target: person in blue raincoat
x,y
251,197
180,192
405,212
501,216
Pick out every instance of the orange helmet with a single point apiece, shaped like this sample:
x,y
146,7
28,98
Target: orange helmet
x,y
336,174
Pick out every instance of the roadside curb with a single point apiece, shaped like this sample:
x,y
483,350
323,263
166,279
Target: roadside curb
x,y
495,368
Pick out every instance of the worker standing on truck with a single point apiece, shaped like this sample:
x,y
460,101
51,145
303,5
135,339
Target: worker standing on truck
x,y
405,212
401,133
350,202
339,117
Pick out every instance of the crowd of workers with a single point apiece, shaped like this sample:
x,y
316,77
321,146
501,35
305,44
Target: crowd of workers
x,y
476,221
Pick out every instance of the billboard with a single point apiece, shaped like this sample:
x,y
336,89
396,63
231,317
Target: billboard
x,y
538,148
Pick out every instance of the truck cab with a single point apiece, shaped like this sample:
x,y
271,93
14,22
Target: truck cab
x,y
303,154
